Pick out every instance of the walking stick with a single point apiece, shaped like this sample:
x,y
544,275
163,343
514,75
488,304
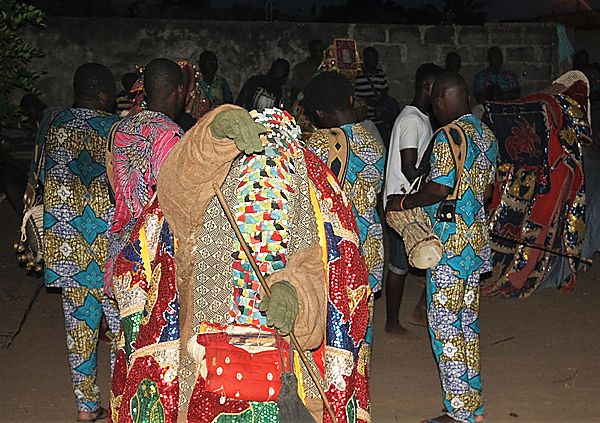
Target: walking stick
x,y
265,287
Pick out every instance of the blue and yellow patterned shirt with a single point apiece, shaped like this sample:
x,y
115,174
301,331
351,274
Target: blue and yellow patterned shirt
x,y
77,206
466,241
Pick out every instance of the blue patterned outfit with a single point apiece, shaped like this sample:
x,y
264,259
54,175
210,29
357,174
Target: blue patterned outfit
x,y
453,284
77,213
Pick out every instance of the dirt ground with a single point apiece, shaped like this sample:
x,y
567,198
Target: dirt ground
x,y
540,358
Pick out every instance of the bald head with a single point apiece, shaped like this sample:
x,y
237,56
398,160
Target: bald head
x,y
450,97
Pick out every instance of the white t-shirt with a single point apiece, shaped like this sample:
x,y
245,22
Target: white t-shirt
x,y
412,129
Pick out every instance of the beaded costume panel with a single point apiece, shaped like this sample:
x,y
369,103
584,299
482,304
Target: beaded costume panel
x,y
145,387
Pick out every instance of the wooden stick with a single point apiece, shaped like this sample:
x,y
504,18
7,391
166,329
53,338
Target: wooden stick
x,y
267,290
541,247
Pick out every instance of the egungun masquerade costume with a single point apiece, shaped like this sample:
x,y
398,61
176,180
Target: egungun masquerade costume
x,y
538,214
190,302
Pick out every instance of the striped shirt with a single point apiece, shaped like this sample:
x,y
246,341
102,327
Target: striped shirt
x,y
370,88
124,103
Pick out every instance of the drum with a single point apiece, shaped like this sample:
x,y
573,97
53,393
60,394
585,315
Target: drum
x,y
423,247
30,251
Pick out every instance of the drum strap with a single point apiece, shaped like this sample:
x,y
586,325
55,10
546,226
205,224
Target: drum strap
x,y
338,153
39,154
458,146
110,174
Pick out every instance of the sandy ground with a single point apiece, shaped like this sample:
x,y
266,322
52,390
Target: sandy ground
x,y
540,359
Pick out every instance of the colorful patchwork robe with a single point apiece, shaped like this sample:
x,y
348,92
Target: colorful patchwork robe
x,y
183,276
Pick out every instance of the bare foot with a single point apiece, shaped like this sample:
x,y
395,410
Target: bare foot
x,y
444,418
398,331
418,316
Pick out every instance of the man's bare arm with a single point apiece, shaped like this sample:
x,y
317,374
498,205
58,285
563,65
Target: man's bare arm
x,y
409,163
431,193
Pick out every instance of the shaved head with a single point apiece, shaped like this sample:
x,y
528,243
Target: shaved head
x,y
91,79
450,83
450,97
94,87
163,86
161,78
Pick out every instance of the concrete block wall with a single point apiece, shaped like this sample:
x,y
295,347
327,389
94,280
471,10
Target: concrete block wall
x,y
589,40
529,50
247,48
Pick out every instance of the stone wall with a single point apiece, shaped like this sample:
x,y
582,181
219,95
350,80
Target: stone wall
x,y
247,48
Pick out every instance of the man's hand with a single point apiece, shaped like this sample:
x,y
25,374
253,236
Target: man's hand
x,y
239,126
393,202
281,307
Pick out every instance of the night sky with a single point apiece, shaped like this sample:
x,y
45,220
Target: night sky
x,y
498,10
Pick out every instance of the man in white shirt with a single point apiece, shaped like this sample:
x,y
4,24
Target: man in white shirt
x,y
411,136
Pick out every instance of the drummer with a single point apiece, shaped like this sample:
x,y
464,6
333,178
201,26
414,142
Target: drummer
x,y
453,284
411,136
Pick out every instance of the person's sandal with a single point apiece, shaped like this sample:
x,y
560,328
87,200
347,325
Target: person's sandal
x,y
444,418
101,414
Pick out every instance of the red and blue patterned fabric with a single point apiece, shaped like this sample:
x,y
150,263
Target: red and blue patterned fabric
x,y
533,221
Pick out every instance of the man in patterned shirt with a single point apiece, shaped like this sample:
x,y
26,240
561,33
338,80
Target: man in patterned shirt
x,y
140,144
77,213
354,155
453,284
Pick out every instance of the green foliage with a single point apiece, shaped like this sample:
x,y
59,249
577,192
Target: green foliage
x,y
16,53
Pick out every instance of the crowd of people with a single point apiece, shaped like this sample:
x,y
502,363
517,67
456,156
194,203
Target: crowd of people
x,y
231,253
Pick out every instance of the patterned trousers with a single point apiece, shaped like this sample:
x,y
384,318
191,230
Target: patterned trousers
x,y
453,319
83,308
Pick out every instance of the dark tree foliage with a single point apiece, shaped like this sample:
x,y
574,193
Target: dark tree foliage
x,y
16,54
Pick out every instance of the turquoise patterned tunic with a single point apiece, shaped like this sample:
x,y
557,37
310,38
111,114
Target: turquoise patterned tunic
x,y
362,181
466,241
77,206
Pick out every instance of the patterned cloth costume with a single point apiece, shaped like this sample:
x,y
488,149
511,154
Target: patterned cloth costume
x,y
202,97
539,198
77,213
140,145
453,284
357,159
298,223
213,95
195,106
